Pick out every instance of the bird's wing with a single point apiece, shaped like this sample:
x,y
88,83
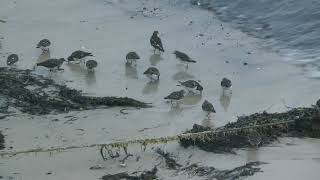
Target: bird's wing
x,y
49,63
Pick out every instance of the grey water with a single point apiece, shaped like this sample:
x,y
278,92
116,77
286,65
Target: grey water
x,y
289,27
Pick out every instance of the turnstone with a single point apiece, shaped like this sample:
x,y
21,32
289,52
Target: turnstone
x,y
152,73
208,107
12,59
183,57
192,86
155,41
44,44
78,55
175,96
226,83
52,63
91,64
132,57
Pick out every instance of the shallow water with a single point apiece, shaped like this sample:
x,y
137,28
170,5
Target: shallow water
x,y
106,29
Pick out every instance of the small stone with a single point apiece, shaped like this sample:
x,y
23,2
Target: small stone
x,y
49,173
219,44
201,34
227,61
245,63
96,167
123,165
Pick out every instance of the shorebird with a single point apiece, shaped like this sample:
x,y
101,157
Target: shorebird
x,y
155,42
52,64
44,44
191,86
78,55
12,59
152,73
132,57
91,64
226,83
184,58
175,96
208,107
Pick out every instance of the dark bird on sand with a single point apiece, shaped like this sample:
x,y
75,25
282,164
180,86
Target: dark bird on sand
x,y
132,56
191,85
91,64
12,59
184,57
44,44
155,41
226,83
152,73
208,107
176,95
52,63
78,55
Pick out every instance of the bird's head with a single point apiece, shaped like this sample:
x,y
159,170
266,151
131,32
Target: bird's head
x,y
175,52
199,88
70,58
62,60
155,33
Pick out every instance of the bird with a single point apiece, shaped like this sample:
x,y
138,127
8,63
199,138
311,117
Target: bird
x,y
132,57
78,55
208,107
184,57
91,64
175,96
152,73
191,86
12,59
52,63
155,42
226,83
44,44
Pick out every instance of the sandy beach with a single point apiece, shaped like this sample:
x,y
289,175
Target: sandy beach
x,y
111,28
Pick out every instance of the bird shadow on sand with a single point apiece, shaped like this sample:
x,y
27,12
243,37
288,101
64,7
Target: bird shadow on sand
x,y
44,56
131,71
225,99
175,109
182,75
208,121
79,70
155,59
151,87
191,99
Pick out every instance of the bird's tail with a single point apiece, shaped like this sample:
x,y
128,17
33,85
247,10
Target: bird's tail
x,y
192,61
161,49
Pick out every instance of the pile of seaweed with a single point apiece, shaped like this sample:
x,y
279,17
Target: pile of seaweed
x,y
148,175
1,141
35,94
302,122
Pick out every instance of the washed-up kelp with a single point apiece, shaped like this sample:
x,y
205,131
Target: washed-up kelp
x,y
248,169
1,141
257,129
35,94
147,175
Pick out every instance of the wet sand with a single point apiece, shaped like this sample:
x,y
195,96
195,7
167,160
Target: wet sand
x,y
107,29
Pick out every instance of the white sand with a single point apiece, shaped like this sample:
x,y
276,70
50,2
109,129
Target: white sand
x,y
106,29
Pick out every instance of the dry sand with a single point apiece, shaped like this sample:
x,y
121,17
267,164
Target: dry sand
x,y
107,29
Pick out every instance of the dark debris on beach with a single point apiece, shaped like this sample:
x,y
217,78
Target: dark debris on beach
x,y
304,123
34,94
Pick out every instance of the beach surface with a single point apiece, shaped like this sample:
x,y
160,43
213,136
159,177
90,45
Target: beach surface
x,y
110,29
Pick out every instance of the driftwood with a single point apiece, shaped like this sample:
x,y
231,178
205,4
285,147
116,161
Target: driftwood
x,y
36,94
301,122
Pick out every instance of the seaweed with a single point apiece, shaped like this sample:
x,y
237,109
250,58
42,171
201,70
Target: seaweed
x,y
1,141
253,132
35,94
